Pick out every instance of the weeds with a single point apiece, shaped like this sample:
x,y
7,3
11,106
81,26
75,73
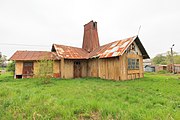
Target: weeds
x,y
153,97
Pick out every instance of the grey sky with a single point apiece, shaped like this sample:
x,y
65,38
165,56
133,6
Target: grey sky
x,y
44,22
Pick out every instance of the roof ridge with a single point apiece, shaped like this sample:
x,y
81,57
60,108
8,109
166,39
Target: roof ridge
x,y
68,46
31,51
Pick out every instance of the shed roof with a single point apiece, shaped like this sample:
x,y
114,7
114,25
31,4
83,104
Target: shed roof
x,y
34,55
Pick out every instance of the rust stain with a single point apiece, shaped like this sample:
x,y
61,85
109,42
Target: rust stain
x,y
112,49
34,55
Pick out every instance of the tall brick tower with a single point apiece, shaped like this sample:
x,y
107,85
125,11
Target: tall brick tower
x,y
90,38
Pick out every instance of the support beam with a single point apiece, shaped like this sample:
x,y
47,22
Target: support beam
x,y
62,68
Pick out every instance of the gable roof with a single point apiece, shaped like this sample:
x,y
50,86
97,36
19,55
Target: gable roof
x,y
141,47
113,49
34,55
69,52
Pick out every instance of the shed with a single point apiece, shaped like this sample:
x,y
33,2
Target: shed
x,y
118,60
175,68
149,68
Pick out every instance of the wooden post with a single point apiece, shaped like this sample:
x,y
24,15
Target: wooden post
x,y
62,68
123,67
141,67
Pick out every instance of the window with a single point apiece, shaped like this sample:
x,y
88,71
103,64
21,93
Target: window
x,y
129,63
137,63
28,64
133,63
77,63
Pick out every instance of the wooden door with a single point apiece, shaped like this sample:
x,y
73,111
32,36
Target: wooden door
x,y
27,69
77,69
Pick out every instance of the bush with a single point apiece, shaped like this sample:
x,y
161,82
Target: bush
x,y
45,71
162,72
11,67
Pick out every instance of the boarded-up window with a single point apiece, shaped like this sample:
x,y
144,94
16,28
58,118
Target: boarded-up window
x,y
133,64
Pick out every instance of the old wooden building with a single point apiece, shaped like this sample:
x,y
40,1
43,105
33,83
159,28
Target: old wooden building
x,y
118,60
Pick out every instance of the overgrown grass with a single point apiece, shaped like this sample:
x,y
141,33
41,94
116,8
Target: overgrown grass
x,y
153,97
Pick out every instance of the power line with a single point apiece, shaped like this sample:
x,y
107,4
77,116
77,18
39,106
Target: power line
x,y
13,44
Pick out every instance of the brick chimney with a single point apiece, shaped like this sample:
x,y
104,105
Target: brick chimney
x,y
90,38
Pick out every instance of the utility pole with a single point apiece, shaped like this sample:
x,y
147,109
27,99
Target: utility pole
x,y
172,60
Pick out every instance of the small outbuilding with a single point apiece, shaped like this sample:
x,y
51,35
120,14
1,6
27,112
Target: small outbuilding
x,y
161,67
175,68
149,68
118,60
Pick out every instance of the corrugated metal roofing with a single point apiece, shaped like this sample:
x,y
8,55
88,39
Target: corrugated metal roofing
x,y
113,49
34,55
69,52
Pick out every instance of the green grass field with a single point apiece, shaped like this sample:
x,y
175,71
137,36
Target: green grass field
x,y
153,97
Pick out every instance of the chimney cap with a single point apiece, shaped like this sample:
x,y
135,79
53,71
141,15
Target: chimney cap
x,y
90,22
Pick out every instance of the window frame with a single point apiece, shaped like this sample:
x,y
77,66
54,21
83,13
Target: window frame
x,y
133,64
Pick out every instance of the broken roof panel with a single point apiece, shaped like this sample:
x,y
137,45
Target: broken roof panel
x,y
34,55
117,48
112,49
69,52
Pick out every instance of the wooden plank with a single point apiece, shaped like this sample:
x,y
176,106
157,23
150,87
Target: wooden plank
x,y
84,68
18,68
123,67
68,69
36,68
56,69
62,68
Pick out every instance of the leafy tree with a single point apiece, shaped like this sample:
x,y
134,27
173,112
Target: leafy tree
x,y
3,60
45,71
166,59
159,59
11,66
177,59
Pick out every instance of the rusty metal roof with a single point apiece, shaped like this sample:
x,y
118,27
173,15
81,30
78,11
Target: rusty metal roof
x,y
112,49
69,52
34,55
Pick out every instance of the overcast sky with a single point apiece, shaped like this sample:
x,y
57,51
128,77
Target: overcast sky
x,y
44,22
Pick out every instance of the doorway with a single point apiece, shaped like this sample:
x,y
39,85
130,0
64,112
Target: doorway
x,y
28,69
77,69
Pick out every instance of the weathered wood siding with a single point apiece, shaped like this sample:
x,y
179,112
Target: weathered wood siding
x,y
139,73
84,66
109,68
115,68
57,68
68,68
123,66
36,68
93,70
18,68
